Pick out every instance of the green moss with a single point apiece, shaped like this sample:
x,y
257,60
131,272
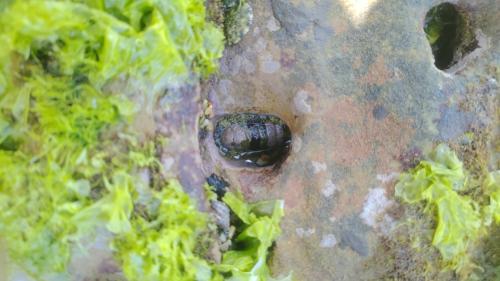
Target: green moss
x,y
440,182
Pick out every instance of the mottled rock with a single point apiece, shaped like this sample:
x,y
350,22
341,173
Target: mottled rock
x,y
358,87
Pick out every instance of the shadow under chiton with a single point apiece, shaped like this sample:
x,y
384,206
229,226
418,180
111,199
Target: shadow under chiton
x,y
253,139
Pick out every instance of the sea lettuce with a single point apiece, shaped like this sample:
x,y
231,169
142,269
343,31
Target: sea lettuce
x,y
70,160
162,242
492,188
438,182
259,230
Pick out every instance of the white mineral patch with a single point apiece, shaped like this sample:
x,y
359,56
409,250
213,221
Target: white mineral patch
x,y
385,178
329,189
304,233
273,25
318,167
297,144
328,241
300,102
376,203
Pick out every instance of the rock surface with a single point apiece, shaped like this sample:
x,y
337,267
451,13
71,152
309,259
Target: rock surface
x,y
356,82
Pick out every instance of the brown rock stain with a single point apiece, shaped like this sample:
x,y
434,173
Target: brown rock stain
x,y
287,58
360,137
339,25
293,195
377,74
253,184
352,193
357,63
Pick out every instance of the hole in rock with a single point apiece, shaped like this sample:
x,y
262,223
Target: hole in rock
x,y
450,34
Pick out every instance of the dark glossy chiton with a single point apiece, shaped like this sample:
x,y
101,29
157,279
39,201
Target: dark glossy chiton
x,y
254,139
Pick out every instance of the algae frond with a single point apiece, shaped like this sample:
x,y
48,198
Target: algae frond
x,y
69,157
441,184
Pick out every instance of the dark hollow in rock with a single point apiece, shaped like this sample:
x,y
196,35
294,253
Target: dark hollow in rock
x,y
252,139
450,34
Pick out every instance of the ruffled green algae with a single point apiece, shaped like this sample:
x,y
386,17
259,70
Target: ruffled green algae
x,y
441,183
70,160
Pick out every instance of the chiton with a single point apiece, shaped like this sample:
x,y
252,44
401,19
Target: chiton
x,y
253,139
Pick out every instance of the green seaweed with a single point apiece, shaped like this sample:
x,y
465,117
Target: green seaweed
x,y
256,235
162,240
492,188
440,182
70,159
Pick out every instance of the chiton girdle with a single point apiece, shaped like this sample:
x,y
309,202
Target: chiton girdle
x,y
253,139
